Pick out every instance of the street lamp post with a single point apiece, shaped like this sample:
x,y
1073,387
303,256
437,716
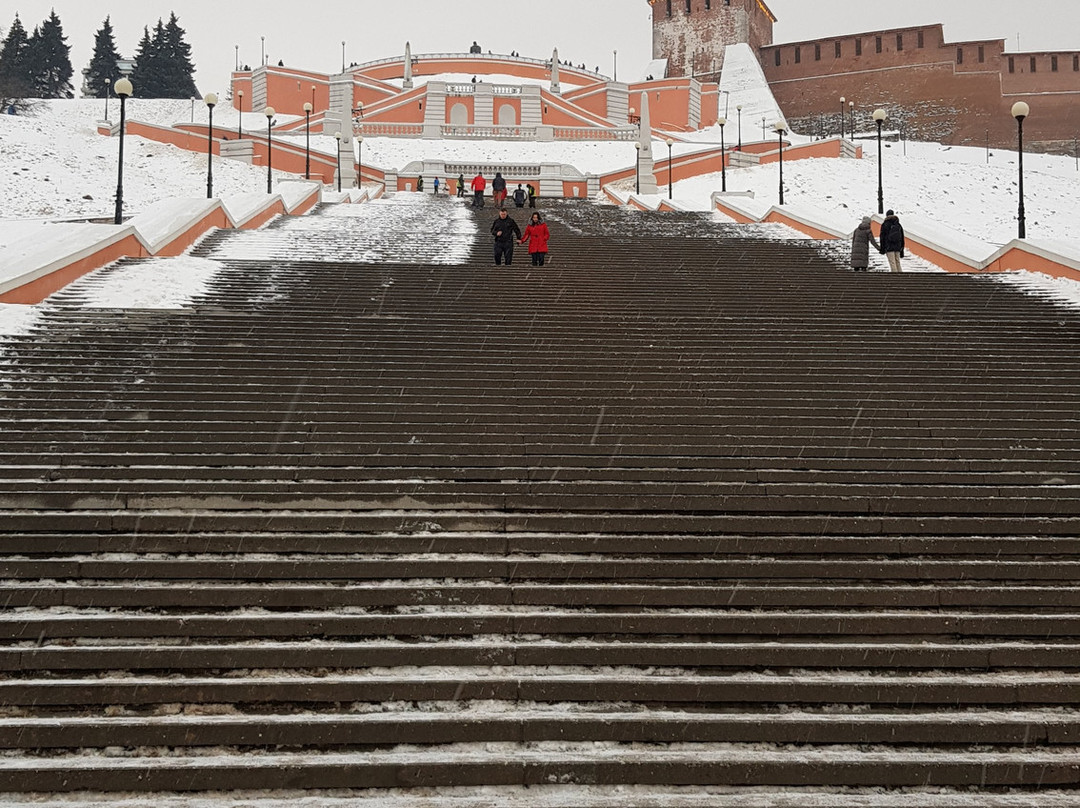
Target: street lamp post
x,y
193,109
343,56
307,140
781,130
211,102
337,136
723,156
269,113
1020,111
670,180
637,169
237,68
262,50
738,109
240,125
763,129
879,118
843,111
123,89
615,72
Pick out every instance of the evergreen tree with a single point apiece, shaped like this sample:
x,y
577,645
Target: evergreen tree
x,y
14,73
176,55
49,60
103,72
147,75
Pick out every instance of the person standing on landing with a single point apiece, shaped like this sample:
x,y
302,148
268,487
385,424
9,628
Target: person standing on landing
x,y
538,235
461,186
892,240
498,189
479,185
860,246
504,229
520,196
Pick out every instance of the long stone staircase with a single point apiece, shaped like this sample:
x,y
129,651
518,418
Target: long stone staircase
x,y
691,517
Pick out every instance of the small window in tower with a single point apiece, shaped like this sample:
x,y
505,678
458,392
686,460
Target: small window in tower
x,y
1053,64
877,45
1034,66
688,9
798,54
959,56
858,47
899,42
1076,64
1012,65
922,40
817,53
669,8
839,50
778,57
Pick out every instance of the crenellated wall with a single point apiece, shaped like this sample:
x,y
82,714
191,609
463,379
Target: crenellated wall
x,y
952,92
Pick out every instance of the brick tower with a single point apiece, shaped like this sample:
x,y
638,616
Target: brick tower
x,y
692,34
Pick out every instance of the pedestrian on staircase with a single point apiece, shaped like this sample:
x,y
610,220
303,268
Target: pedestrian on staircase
x,y
461,186
892,240
498,189
420,184
435,185
860,246
479,185
520,196
538,235
532,195
504,229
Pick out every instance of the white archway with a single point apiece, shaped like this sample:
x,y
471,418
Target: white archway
x,y
459,115
508,115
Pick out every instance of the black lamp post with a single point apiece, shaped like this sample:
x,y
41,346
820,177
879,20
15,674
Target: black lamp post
x,y
843,112
739,110
637,169
723,156
1020,111
269,113
240,126
337,136
211,102
879,118
670,180
307,140
781,130
123,89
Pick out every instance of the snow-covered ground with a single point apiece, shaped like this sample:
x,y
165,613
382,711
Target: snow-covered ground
x,y
55,165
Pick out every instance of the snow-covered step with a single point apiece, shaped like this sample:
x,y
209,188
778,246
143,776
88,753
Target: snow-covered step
x,y
565,763
680,688
499,722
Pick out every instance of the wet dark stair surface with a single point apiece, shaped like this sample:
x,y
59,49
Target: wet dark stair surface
x,y
692,507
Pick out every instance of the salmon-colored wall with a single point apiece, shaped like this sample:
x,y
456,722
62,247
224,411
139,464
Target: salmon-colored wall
x,y
241,81
214,219
37,290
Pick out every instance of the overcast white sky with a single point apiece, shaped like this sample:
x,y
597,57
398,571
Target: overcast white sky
x,y
310,34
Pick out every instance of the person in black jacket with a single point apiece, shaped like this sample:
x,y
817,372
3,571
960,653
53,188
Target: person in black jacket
x,y
505,229
892,240
498,189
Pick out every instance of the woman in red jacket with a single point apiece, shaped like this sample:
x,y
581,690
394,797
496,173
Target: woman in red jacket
x,y
537,234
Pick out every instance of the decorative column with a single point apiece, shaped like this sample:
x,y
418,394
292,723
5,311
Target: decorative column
x,y
341,102
555,86
408,84
484,104
646,163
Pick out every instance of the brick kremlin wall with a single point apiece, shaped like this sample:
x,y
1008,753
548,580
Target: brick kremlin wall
x,y
691,34
957,93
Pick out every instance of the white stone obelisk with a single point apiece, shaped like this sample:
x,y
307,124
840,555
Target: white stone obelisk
x,y
408,85
555,86
646,163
